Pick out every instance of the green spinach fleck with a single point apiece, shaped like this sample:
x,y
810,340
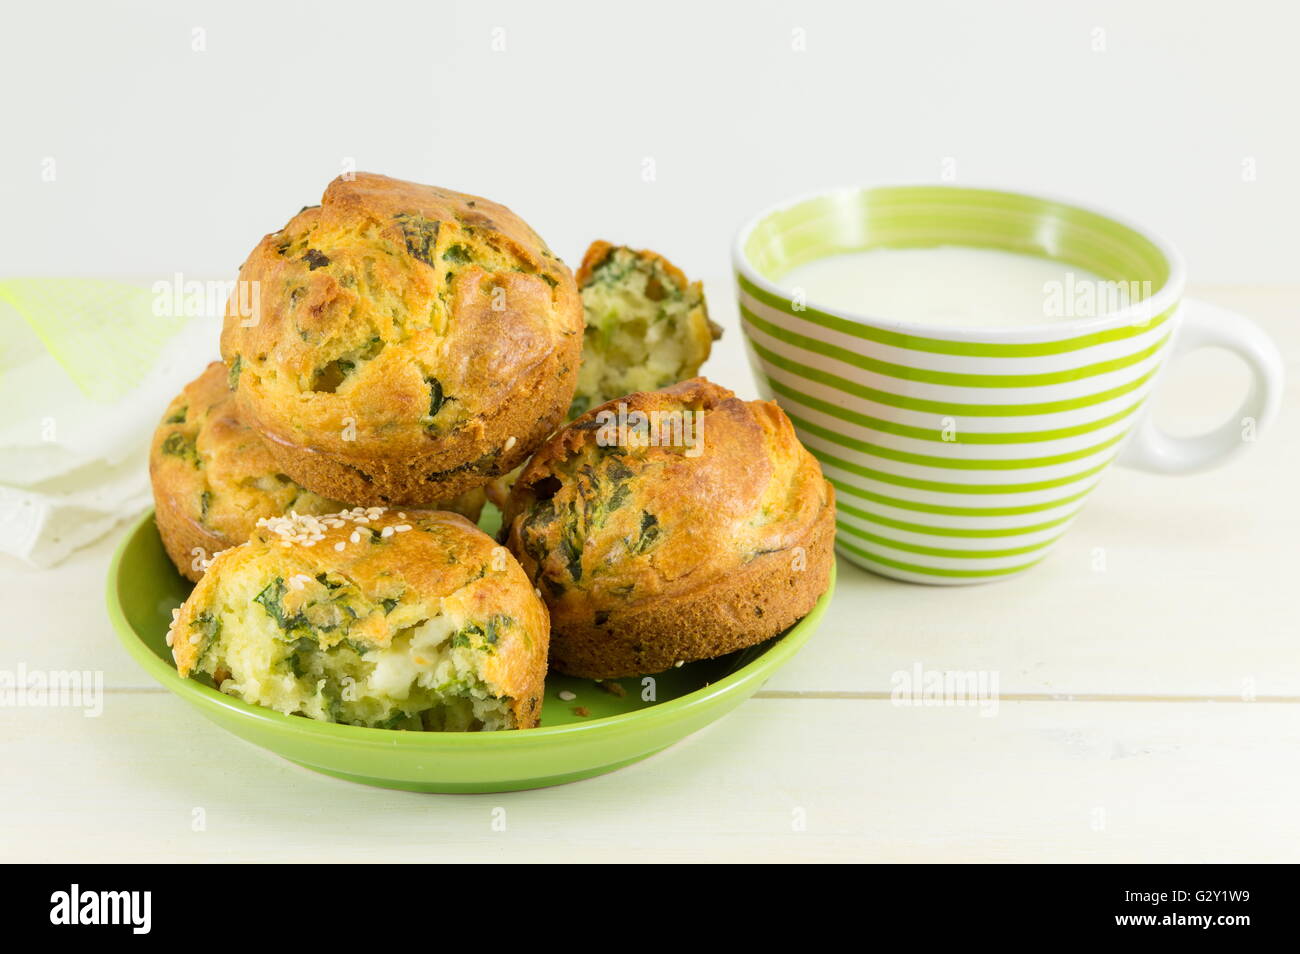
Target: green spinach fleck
x,y
302,648
649,534
421,235
458,254
181,445
436,396
210,627
272,600
571,553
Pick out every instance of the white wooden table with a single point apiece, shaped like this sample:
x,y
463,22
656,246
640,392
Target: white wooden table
x,y
1149,710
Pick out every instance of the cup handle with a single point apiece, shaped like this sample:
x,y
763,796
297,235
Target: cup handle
x,y
1209,326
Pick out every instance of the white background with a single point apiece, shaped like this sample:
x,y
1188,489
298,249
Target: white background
x,y
168,158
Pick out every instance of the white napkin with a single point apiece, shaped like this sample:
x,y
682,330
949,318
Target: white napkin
x,y
86,371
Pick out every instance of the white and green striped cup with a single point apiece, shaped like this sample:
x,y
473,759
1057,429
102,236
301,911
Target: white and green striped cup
x,y
961,455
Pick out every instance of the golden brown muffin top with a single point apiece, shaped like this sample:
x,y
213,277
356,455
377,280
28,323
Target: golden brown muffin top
x,y
365,575
599,523
391,315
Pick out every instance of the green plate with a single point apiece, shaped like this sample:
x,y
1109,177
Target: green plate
x,y
595,732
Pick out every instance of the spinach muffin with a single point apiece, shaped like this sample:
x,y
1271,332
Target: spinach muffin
x,y
408,343
214,478
647,326
390,620
656,543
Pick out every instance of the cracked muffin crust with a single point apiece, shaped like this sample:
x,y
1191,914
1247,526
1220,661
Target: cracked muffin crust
x,y
648,556
213,478
406,620
410,343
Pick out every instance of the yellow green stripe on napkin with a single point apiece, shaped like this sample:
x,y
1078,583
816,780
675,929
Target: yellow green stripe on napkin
x,y
104,334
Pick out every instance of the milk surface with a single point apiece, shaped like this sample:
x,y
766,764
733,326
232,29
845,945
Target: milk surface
x,y
954,287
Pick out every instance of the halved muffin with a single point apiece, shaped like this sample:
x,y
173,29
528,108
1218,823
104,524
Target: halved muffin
x,y
214,478
647,326
390,620
409,343
671,526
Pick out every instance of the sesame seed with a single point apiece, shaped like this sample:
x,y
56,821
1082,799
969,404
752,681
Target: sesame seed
x,y
386,532
567,696
679,664
355,538
339,546
402,527
510,442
